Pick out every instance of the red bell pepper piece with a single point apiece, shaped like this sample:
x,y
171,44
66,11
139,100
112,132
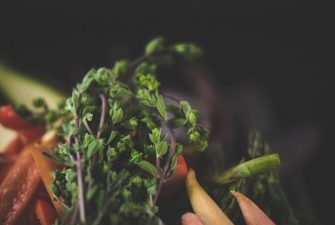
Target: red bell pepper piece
x,y
9,119
177,178
45,213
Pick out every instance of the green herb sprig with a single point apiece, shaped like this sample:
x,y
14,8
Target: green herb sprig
x,y
117,156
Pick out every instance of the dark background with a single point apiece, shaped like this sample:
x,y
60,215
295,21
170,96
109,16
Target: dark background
x,y
283,56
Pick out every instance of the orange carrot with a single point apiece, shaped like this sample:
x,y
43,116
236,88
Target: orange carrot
x,y
18,187
9,155
252,214
45,212
44,166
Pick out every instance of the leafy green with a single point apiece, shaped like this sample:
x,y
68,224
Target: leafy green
x,y
117,156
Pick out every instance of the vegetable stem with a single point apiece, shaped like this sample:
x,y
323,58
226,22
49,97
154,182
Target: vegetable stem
x,y
103,114
167,164
249,168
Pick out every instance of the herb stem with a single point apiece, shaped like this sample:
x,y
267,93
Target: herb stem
x,y
79,175
87,127
177,100
81,190
167,164
103,114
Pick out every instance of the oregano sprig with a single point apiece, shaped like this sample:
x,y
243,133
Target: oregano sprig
x,y
120,157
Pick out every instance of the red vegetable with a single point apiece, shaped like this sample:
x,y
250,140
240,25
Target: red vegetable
x,y
177,178
9,119
45,212
9,155
18,188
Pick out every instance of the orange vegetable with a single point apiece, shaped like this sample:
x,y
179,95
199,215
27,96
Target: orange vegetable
x,y
45,212
177,178
18,188
9,155
252,214
44,166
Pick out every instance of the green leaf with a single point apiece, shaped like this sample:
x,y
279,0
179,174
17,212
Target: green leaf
x,y
162,148
112,136
155,45
148,167
145,68
146,98
57,159
93,147
160,105
155,136
188,51
117,116
102,76
120,68
87,81
177,122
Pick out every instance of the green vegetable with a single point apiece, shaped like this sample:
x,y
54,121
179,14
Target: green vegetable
x,y
117,156
20,89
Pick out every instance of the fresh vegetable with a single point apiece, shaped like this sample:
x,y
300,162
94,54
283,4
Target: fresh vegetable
x,y
18,187
115,122
46,166
252,214
249,168
8,156
26,89
6,136
116,154
177,178
10,120
203,205
44,212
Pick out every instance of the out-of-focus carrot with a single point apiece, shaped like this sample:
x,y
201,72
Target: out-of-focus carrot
x,y
252,214
18,188
45,212
44,165
9,155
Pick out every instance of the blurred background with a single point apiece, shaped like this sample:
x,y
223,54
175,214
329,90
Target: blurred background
x,y
268,68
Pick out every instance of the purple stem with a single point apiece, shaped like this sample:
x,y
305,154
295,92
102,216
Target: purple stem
x,y
87,127
79,176
177,100
81,190
167,164
103,114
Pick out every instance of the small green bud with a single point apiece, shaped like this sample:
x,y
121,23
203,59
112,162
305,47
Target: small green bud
x,y
133,122
194,136
102,76
188,51
192,117
155,45
120,68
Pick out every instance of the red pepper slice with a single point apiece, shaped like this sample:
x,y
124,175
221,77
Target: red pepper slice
x,y
177,178
9,119
45,212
